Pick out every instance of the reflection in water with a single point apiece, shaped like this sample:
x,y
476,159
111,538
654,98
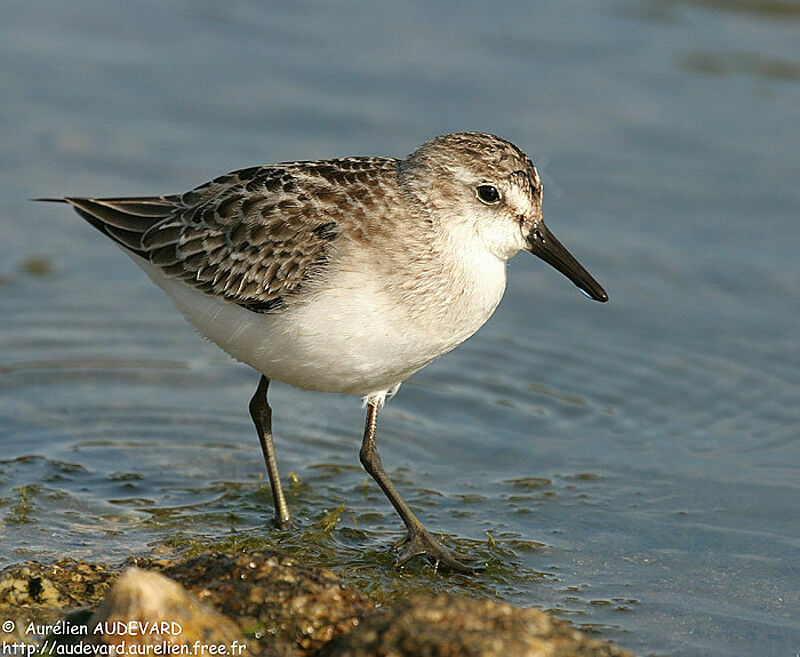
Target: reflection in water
x,y
755,64
782,9
669,11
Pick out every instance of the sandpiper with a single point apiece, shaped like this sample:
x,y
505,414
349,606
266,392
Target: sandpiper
x,y
345,275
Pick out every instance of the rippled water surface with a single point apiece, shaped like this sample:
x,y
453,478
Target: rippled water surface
x,y
633,465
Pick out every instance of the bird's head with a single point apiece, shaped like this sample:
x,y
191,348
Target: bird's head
x,y
489,186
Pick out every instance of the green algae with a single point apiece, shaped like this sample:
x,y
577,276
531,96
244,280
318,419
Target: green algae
x,y
326,541
21,511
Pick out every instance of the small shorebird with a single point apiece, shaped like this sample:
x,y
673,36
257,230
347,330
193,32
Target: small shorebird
x,y
344,275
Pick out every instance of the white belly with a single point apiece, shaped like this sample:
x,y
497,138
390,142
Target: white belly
x,y
350,337
343,340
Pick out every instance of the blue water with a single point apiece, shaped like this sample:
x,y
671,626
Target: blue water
x,y
651,445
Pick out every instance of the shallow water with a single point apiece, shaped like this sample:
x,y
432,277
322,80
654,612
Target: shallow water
x,y
633,465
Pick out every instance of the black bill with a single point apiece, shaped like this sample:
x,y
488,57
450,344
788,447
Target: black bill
x,y
543,244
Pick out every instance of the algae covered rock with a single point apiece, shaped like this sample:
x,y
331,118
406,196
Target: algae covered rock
x,y
34,597
249,604
271,595
62,585
451,626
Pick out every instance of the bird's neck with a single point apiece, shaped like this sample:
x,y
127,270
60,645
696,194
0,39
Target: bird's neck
x,y
460,288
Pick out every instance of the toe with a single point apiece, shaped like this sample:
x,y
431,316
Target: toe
x,y
420,542
284,523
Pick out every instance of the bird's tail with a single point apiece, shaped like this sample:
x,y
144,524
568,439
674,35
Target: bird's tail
x,y
124,220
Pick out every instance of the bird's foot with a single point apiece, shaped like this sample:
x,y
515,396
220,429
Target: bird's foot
x,y
418,541
282,523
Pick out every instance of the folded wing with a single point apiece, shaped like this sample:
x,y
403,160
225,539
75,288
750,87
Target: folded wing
x,y
252,237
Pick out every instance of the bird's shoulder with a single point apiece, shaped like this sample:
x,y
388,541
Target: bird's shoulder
x,y
255,236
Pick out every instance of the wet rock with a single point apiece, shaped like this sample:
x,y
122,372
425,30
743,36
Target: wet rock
x,y
145,610
34,596
450,626
272,597
64,584
274,606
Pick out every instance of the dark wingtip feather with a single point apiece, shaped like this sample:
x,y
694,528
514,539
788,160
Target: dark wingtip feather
x,y
110,215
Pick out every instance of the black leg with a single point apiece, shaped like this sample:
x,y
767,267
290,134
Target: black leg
x,y
262,418
417,540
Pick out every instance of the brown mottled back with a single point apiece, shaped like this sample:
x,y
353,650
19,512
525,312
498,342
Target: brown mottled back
x,y
252,236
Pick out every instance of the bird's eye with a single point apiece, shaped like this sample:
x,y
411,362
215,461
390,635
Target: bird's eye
x,y
488,194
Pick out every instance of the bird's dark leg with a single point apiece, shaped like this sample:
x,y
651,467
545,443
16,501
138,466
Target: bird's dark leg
x,y
262,418
417,540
